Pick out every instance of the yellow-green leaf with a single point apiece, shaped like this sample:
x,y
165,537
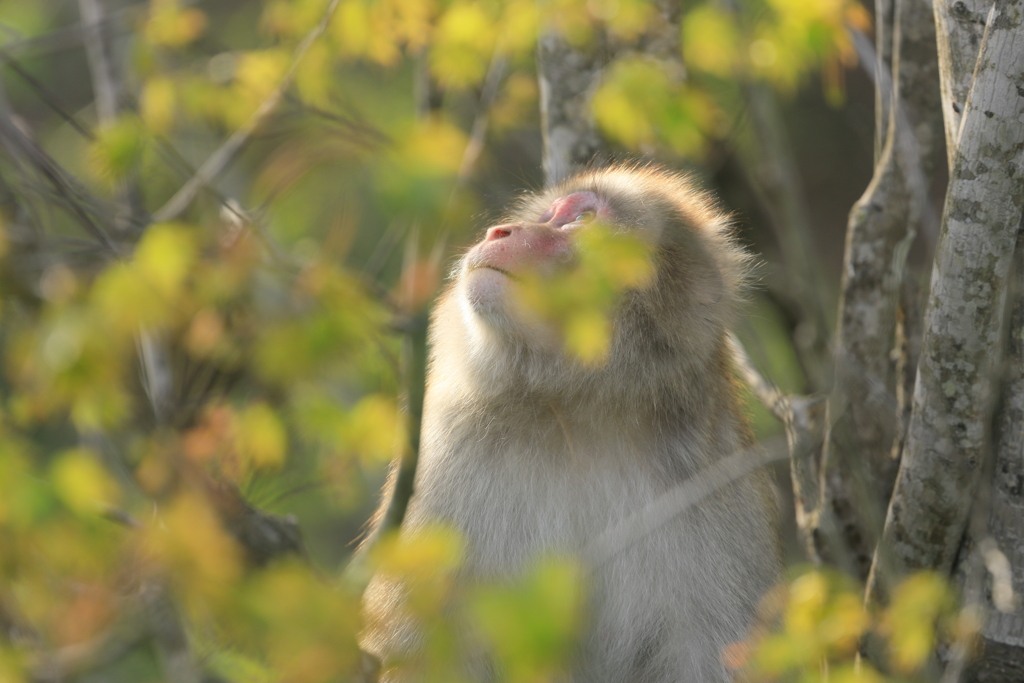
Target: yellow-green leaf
x,y
262,438
82,483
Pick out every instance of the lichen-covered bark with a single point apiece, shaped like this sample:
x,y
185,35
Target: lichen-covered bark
x,y
857,467
570,75
948,437
568,78
1002,634
960,25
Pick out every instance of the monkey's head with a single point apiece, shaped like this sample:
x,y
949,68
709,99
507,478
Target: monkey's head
x,y
678,316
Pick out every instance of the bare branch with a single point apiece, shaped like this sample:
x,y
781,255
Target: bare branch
x,y
764,389
478,133
960,26
220,159
103,84
880,67
70,191
804,419
680,498
45,94
882,226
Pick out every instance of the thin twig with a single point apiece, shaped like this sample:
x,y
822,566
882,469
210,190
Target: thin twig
x,y
103,84
219,160
20,144
478,133
763,388
803,417
674,502
48,97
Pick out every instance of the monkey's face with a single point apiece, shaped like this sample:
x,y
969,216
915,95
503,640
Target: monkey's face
x,y
538,245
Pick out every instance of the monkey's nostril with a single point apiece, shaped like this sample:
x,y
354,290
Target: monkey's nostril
x,y
498,233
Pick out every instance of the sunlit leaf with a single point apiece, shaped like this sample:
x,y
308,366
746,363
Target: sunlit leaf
x,y
307,626
205,333
911,619
710,41
428,554
313,76
463,45
190,542
409,19
860,672
235,666
25,19
171,25
259,72
262,438
376,428
642,102
292,18
433,148
117,150
25,497
626,19
164,257
125,301
588,335
519,25
13,665
808,596
532,624
844,623
82,483
579,303
157,104
516,103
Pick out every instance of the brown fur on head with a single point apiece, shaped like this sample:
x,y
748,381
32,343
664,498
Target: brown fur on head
x,y
671,329
527,451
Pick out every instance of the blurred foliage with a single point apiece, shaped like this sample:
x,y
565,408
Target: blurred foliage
x,y
529,628
578,303
813,629
158,378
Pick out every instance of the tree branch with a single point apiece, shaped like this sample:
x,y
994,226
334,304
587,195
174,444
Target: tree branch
x,y
220,159
960,26
948,437
568,77
803,417
857,465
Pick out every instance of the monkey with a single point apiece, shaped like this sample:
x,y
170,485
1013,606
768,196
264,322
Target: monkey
x,y
526,450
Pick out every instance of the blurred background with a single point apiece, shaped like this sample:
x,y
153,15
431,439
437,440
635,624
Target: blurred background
x,y
221,224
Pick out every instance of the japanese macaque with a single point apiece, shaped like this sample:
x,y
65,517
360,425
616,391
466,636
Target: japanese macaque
x,y
527,451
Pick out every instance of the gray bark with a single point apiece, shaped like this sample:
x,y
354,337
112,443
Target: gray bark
x,y
570,75
960,25
948,437
1001,657
568,78
858,467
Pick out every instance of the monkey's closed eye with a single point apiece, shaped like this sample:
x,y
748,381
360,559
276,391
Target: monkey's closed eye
x,y
586,216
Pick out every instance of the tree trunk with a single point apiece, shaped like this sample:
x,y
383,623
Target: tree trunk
x,y
948,440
